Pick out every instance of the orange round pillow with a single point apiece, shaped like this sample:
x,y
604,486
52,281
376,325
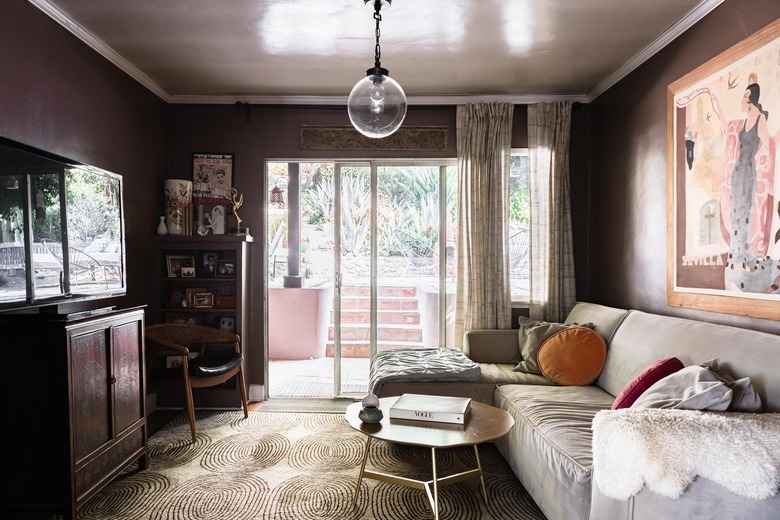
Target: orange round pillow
x,y
573,357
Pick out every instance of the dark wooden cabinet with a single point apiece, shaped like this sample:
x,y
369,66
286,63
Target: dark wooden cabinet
x,y
228,288
76,387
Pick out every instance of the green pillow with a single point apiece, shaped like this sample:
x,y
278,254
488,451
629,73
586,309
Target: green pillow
x,y
532,336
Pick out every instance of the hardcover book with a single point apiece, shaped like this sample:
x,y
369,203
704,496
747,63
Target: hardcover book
x,y
432,408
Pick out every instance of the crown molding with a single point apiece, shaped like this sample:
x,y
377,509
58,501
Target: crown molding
x,y
99,46
689,20
342,100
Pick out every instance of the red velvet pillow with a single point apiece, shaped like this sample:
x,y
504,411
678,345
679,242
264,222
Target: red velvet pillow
x,y
649,376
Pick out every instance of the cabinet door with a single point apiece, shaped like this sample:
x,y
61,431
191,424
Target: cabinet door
x,y
127,363
91,398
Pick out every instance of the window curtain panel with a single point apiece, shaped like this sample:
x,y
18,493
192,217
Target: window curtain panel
x,y
551,262
484,143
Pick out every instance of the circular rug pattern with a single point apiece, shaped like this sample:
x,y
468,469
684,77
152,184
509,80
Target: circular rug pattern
x,y
119,501
245,452
327,452
316,497
280,465
214,497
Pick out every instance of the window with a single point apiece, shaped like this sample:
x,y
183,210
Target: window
x,y
519,224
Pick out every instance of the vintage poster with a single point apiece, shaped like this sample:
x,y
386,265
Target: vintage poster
x,y
724,185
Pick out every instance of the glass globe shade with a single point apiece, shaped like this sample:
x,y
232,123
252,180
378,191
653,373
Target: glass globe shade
x,y
377,105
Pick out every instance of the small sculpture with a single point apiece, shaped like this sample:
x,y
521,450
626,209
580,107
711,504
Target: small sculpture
x,y
370,413
237,200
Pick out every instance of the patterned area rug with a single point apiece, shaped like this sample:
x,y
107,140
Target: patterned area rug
x,y
297,466
310,405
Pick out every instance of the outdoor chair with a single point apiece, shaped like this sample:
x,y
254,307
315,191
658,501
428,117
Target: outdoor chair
x,y
277,254
218,359
518,247
80,262
419,254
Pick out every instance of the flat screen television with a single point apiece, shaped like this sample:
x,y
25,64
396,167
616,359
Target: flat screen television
x,y
61,230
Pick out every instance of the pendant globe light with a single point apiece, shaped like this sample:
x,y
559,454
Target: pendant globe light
x,y
377,103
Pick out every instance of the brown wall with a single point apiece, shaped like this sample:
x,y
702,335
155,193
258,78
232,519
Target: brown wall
x,y
59,95
628,262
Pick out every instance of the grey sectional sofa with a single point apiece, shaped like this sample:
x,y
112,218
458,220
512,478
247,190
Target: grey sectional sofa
x,y
549,448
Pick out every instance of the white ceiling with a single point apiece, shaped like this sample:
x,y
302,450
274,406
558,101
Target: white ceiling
x,y
314,51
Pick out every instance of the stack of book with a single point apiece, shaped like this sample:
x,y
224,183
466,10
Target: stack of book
x,y
431,408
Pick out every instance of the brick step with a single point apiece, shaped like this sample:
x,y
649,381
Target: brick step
x,y
361,331
361,349
383,317
382,291
383,304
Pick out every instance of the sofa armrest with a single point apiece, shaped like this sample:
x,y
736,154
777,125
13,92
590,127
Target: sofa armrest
x,y
492,346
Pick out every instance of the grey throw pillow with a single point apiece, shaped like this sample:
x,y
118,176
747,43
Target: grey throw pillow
x,y
745,398
692,388
529,348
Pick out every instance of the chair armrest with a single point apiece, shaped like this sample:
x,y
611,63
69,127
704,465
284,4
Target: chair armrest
x,y
492,346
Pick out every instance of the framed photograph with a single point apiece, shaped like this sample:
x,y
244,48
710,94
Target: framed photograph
x,y
210,217
209,263
203,300
212,174
176,262
191,292
188,272
226,268
723,220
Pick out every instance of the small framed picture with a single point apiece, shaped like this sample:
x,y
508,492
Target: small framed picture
x,y
226,268
176,262
188,272
191,292
210,217
209,264
203,300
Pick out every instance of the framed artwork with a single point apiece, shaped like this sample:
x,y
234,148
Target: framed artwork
x,y
176,262
203,300
723,221
226,268
210,217
209,264
188,272
212,174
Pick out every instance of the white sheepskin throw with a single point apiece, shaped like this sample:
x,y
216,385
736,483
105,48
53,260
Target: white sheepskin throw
x,y
667,449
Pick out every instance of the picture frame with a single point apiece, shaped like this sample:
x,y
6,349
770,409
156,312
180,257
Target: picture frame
x,y
188,272
212,175
723,186
226,269
174,264
209,263
191,292
210,217
203,300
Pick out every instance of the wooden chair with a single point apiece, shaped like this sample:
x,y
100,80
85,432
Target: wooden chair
x,y
206,369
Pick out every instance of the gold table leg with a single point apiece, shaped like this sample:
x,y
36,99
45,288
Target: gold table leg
x,y
362,469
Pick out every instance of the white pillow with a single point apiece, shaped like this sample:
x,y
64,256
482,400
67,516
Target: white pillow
x,y
692,388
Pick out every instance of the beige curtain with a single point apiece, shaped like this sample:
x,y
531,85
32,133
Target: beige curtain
x,y
484,137
551,261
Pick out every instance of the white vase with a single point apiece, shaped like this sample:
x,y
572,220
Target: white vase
x,y
162,227
178,195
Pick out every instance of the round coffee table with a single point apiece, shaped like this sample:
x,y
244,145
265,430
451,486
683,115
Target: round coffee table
x,y
484,423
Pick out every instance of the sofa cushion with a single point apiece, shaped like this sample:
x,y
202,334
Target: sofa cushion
x,y
573,356
692,388
647,378
535,335
744,398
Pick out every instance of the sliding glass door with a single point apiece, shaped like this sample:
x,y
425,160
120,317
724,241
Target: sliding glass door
x,y
377,247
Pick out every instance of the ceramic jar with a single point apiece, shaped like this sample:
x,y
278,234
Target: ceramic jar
x,y
178,197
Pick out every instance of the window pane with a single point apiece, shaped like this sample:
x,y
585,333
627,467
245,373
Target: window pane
x,y
519,220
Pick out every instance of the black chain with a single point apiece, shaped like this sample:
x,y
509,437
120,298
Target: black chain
x,y
377,51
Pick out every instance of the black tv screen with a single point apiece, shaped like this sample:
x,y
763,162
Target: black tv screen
x,y
61,230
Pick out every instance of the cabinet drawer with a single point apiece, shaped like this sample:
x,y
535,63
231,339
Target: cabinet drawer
x,y
105,466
